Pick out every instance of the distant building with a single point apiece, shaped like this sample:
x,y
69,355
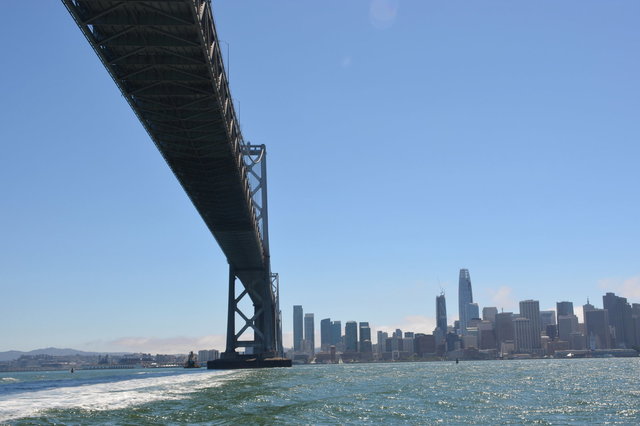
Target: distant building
x,y
551,331
567,324
297,328
597,326
351,336
524,335
587,307
547,318
208,355
407,345
504,328
365,337
465,297
530,309
424,344
309,333
486,335
489,314
325,334
473,312
441,313
382,338
336,333
619,312
564,309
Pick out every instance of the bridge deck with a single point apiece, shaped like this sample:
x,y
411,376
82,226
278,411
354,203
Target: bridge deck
x,y
165,58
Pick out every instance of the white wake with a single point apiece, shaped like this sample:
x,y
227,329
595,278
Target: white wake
x,y
108,396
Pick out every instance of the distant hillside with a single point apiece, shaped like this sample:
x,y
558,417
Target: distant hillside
x,y
11,355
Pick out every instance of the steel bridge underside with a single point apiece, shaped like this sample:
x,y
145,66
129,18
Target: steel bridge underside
x,y
165,58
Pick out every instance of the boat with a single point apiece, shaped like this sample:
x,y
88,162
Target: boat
x,y
191,361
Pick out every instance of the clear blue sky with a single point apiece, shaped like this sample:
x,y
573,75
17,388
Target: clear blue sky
x,y
407,139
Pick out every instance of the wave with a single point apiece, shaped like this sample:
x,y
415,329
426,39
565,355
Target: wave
x,y
109,396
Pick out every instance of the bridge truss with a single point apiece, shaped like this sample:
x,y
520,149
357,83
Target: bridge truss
x,y
165,57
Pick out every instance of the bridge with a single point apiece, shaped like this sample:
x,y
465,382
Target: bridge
x,y
165,57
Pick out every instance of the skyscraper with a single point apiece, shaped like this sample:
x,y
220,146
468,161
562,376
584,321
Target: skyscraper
x,y
564,309
531,309
619,319
567,324
336,332
524,334
365,337
596,322
325,334
489,314
441,313
504,328
547,318
351,336
297,328
473,312
465,297
309,333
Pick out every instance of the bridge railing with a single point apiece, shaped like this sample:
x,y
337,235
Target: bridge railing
x,y
213,52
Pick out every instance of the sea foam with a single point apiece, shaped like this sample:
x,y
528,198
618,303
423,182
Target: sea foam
x,y
108,396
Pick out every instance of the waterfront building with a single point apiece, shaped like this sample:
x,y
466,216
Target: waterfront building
x,y
567,324
597,326
635,321
407,345
351,336
530,309
382,338
336,333
577,341
309,334
465,297
504,328
453,342
424,344
489,314
470,340
486,335
325,334
207,355
524,335
297,328
564,309
441,312
619,313
365,338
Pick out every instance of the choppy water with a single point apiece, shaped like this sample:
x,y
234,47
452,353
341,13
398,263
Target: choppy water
x,y
485,392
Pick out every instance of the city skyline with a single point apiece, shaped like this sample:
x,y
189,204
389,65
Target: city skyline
x,y
514,157
529,332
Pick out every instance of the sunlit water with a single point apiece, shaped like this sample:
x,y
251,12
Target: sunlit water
x,y
536,391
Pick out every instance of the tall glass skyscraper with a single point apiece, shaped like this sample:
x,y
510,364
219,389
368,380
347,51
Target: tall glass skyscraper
x,y
441,313
336,332
297,328
325,334
564,309
465,297
351,336
309,333
531,309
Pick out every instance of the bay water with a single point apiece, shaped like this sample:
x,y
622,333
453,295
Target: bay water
x,y
577,391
